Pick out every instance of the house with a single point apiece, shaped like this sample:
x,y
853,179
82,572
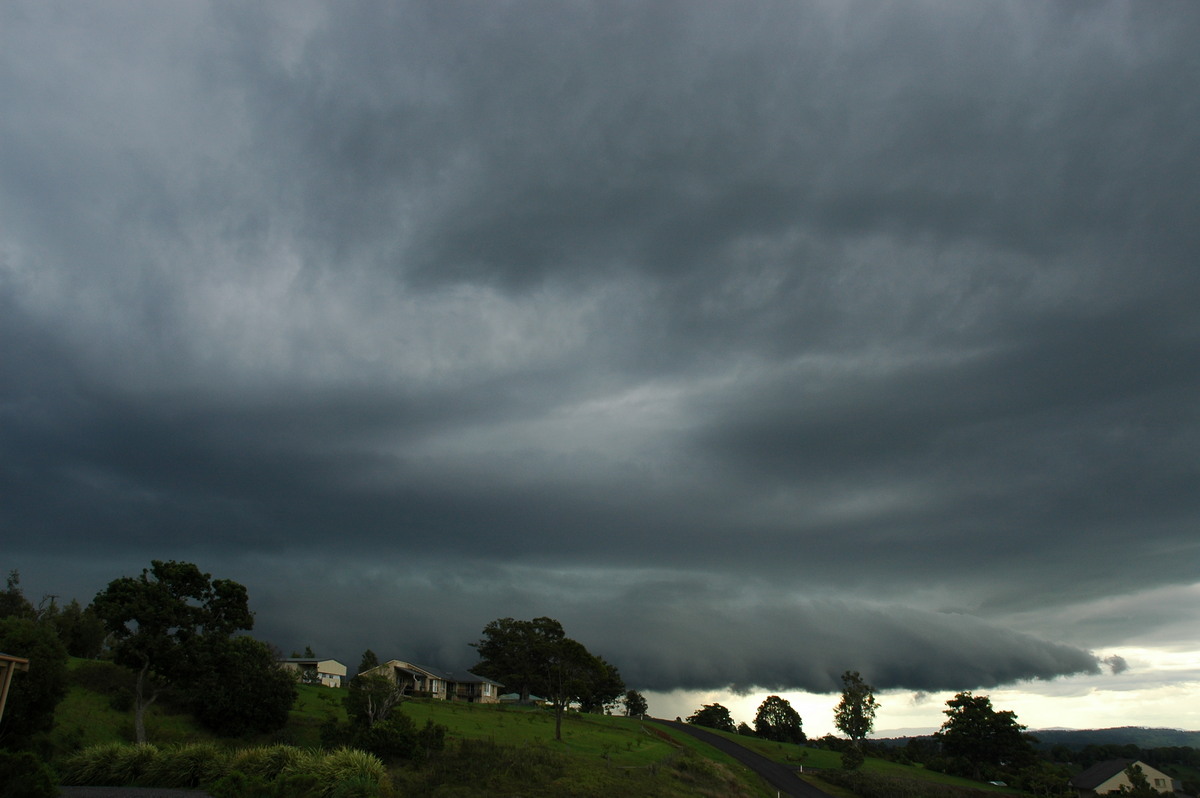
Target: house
x,y
328,672
422,681
1109,776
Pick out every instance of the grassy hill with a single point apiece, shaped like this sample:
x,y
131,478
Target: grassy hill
x,y
492,750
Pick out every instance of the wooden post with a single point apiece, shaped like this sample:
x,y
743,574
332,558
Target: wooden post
x,y
8,666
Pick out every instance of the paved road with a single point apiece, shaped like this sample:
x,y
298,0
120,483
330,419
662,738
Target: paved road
x,y
781,777
128,792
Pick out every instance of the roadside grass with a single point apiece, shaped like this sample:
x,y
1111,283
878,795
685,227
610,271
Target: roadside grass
x,y
814,760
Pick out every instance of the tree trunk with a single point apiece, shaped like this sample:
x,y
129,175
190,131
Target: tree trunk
x,y
140,702
139,707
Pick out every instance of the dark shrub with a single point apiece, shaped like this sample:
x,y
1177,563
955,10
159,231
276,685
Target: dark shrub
x,y
23,775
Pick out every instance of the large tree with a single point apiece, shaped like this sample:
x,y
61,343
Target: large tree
x,y
855,713
515,653
162,621
574,674
714,716
603,689
983,738
537,657
777,720
635,704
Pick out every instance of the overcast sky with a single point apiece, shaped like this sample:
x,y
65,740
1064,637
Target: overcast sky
x,y
753,341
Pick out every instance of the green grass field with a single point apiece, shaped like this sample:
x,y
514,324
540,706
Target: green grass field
x,y
492,749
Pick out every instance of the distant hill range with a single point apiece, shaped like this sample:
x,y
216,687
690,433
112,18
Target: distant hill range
x,y
1124,735
1140,736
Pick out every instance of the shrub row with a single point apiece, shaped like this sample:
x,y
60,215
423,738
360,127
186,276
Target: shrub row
x,y
259,772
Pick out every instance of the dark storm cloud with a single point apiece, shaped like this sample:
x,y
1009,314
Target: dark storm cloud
x,y
883,314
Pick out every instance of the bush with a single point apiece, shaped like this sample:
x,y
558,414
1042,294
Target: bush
x,y
241,690
268,762
237,784
90,767
23,775
108,765
391,740
131,763
351,766
277,771
187,766
852,758
34,694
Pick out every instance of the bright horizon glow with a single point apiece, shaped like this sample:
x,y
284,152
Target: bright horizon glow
x,y
1160,690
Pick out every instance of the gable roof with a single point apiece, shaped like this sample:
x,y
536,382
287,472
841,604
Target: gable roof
x,y
1099,773
458,677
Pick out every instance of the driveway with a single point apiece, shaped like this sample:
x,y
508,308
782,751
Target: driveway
x,y
781,777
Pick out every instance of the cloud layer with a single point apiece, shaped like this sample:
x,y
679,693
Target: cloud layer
x,y
755,345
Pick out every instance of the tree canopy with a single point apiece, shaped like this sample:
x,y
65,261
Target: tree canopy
x,y
777,720
983,737
713,716
167,623
855,713
635,704
516,652
537,657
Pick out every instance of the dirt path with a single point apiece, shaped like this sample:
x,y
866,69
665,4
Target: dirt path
x,y
781,777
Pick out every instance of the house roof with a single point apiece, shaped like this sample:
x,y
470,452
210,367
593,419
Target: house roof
x,y
459,677
1100,772
308,660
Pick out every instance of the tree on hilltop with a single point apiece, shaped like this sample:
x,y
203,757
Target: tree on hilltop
x,y
635,704
713,716
855,715
537,657
515,653
776,720
980,736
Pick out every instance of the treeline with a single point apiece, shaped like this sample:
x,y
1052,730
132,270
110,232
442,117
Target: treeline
x,y
1155,757
1141,736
